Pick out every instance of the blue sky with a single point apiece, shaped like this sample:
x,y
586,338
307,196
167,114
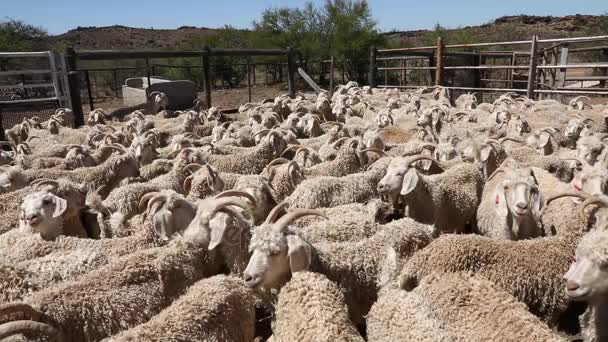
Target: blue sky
x,y
58,16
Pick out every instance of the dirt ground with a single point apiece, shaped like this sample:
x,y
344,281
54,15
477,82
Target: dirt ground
x,y
224,98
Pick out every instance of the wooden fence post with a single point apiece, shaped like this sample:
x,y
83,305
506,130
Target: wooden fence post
x,y
439,62
249,80
331,76
532,71
372,67
74,86
88,80
291,72
207,76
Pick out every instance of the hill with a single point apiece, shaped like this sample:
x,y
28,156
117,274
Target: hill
x,y
123,37
504,28
508,28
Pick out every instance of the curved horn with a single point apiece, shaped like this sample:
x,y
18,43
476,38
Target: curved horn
x,y
593,200
412,159
502,140
193,167
276,162
237,193
380,152
262,131
272,215
339,142
38,328
143,201
43,181
290,148
291,216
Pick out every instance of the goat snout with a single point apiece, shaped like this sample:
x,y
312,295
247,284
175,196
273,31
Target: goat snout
x,y
250,280
572,285
32,219
521,205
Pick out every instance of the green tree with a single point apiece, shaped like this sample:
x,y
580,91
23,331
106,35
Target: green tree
x,y
16,35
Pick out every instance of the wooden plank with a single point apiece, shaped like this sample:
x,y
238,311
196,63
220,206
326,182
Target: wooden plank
x,y
25,72
533,65
24,54
309,81
46,99
439,63
563,60
27,86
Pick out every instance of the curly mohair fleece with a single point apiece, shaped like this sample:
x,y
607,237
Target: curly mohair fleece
x,y
346,163
326,192
107,175
454,307
354,266
64,260
219,308
123,294
448,200
311,308
251,162
530,270
349,222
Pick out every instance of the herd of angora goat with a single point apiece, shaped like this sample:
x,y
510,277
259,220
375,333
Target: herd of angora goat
x,y
372,214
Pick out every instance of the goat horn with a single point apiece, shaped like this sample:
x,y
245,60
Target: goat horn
x,y
290,148
224,202
42,181
276,162
282,223
193,165
262,131
594,200
272,215
237,193
379,151
19,327
143,201
339,142
420,157
497,171
502,140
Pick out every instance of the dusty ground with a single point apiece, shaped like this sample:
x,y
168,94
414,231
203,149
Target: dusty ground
x,y
224,98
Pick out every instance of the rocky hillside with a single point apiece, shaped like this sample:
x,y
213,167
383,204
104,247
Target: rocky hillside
x,y
516,28
503,28
122,37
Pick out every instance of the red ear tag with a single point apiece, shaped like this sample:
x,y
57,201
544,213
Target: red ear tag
x,y
497,200
577,188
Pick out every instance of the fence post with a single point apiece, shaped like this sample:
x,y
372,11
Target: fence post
x,y
372,67
331,76
88,80
74,86
291,72
148,74
248,80
115,82
532,73
207,76
439,62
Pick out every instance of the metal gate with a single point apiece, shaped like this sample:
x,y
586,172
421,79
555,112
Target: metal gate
x,y
37,89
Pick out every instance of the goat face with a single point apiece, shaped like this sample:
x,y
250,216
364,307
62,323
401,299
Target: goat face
x,y
274,257
41,212
587,278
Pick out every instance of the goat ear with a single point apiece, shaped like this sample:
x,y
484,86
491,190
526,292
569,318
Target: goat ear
x,y
543,140
409,181
500,200
537,202
299,253
60,206
217,235
484,154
